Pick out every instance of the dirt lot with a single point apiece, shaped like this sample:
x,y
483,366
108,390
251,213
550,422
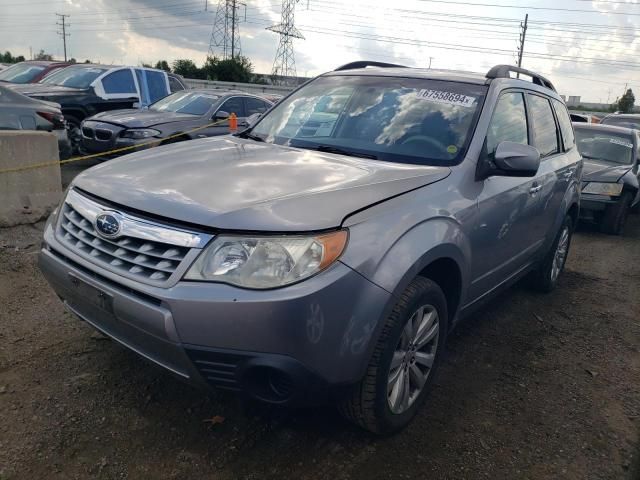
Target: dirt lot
x,y
533,387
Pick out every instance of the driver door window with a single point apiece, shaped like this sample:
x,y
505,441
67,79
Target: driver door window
x,y
509,122
233,105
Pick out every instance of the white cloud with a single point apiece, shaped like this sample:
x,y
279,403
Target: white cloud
x,y
128,31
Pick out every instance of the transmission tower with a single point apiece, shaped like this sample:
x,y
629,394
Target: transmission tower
x,y
284,65
225,36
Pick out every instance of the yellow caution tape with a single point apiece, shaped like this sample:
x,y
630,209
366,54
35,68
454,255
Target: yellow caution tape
x,y
109,152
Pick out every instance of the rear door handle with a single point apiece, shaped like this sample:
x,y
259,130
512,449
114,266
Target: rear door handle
x,y
534,190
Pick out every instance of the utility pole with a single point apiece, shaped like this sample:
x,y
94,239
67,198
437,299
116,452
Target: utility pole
x,y
430,58
284,65
225,36
62,23
523,34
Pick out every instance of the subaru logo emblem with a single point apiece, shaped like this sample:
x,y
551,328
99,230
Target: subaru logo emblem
x,y
107,225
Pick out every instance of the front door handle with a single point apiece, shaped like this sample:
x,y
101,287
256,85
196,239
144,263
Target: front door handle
x,y
536,189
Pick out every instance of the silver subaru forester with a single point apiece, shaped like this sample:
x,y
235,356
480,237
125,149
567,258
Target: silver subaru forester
x,y
326,252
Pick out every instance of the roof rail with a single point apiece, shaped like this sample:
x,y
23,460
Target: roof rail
x,y
502,71
367,63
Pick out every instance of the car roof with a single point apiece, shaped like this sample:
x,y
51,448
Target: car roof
x,y
624,115
426,73
604,128
459,76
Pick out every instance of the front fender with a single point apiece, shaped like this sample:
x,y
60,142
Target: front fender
x,y
392,261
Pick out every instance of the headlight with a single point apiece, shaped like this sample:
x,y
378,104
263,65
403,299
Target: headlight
x,y
140,133
266,262
599,188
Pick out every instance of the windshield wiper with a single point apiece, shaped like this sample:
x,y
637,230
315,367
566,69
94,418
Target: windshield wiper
x,y
340,151
251,136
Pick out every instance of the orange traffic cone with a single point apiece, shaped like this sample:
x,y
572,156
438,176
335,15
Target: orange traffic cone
x,y
233,122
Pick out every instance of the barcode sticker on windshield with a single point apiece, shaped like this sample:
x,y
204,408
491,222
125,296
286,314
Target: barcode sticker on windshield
x,y
447,98
621,142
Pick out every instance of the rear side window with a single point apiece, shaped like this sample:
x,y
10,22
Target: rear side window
x,y
566,128
175,85
157,85
255,106
544,126
119,82
234,105
509,122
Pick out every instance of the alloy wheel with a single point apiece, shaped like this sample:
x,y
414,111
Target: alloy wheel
x,y
561,254
413,359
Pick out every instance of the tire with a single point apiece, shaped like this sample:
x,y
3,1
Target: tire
x,y
615,215
545,277
74,133
368,403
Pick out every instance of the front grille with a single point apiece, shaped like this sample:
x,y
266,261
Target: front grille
x,y
103,135
87,132
219,369
145,260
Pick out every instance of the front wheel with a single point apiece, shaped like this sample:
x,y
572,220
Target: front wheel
x,y
545,277
615,216
405,358
74,133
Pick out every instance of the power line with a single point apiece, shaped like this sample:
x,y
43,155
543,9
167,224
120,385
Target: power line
x,y
523,35
63,24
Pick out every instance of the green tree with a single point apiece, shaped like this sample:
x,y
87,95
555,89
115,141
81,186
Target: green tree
x,y
41,55
163,65
210,68
237,69
187,68
626,102
146,65
6,57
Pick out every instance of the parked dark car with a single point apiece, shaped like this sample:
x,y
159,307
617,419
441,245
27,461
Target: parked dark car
x,y
327,251
19,112
31,71
84,90
628,120
176,114
176,82
611,177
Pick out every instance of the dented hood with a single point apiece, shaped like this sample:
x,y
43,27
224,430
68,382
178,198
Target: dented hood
x,y
235,184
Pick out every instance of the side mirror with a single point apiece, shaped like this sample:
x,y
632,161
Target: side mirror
x,y
512,160
221,115
252,119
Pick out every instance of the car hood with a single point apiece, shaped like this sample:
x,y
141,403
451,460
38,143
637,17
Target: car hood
x,y
132,118
599,171
234,184
43,89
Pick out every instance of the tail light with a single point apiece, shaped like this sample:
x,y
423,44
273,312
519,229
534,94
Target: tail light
x,y
55,118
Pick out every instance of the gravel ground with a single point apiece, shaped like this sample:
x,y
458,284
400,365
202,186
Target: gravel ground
x,y
534,386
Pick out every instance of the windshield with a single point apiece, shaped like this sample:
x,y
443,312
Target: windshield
x,y
74,77
403,120
21,73
191,103
605,146
622,122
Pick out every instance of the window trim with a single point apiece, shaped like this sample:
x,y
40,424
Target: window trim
x,y
559,144
562,104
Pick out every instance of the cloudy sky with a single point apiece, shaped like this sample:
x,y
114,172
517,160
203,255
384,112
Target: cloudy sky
x,y
587,48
